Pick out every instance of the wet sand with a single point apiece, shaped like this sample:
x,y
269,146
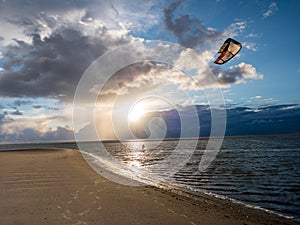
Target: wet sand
x,y
58,187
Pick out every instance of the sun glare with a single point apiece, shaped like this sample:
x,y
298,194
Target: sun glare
x,y
136,112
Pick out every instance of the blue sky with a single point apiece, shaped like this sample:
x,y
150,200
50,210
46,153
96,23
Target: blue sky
x,y
45,48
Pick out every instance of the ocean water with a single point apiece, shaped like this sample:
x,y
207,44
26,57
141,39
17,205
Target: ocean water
x,y
259,171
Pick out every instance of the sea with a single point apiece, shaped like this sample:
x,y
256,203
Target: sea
x,y
257,171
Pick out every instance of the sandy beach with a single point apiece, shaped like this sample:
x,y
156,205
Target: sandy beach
x,y
58,187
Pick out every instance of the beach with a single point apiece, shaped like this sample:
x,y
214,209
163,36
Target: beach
x,y
45,186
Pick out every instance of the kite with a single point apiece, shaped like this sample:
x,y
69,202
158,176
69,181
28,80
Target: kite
x,y
228,50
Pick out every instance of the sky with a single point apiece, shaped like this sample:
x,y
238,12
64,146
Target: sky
x,y
47,46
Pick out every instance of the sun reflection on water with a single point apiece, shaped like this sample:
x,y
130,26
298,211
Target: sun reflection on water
x,y
135,155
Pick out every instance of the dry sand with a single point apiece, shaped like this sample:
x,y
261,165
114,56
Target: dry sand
x,y
58,187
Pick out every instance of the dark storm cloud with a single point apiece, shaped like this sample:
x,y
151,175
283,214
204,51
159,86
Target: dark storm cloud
x,y
37,106
16,113
189,31
52,66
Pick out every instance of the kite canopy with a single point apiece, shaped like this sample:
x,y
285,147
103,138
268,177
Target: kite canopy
x,y
228,50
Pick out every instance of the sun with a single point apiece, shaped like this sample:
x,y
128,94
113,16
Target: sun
x,y
136,112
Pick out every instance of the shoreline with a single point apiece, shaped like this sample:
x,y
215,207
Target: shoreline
x,y
224,200
56,186
212,197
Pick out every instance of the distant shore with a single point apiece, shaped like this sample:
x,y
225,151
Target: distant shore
x,y
58,187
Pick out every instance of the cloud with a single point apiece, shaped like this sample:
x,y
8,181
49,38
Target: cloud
x,y
95,21
290,107
250,46
151,76
267,101
2,115
189,31
235,28
19,18
274,119
210,76
192,33
53,108
19,102
271,10
58,43
16,113
33,135
238,73
52,66
37,106
22,129
47,45
37,6
192,70
129,80
253,35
